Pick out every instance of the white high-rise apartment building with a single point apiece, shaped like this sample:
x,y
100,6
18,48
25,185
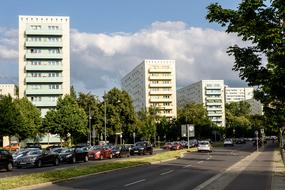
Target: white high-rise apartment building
x,y
153,84
238,94
8,89
44,60
208,92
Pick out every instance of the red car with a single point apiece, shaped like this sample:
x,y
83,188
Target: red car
x,y
99,153
176,146
167,146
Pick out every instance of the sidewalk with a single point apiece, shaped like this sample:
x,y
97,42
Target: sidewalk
x,y
278,175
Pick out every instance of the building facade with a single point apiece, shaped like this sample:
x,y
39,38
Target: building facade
x,y
208,92
8,89
238,94
44,59
153,84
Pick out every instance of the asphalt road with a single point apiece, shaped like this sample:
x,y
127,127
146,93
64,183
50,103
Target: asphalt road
x,y
184,173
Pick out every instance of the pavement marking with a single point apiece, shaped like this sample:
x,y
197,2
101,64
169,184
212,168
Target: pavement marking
x,y
166,172
208,158
187,166
135,182
200,162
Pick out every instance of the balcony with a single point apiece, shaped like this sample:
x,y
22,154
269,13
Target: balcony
x,y
160,92
159,70
160,100
160,77
43,44
213,103
44,79
44,55
214,109
44,91
218,92
160,85
43,31
213,88
44,67
215,114
45,104
214,98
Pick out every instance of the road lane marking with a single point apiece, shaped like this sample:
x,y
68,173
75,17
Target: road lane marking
x,y
135,182
200,162
166,172
187,166
208,158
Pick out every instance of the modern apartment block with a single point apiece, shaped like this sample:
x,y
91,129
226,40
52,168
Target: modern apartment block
x,y
153,84
238,94
208,92
44,60
8,89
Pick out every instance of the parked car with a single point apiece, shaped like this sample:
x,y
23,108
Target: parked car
x,y
167,145
176,146
120,151
33,145
37,158
6,160
12,147
72,155
142,148
204,146
240,141
228,142
99,152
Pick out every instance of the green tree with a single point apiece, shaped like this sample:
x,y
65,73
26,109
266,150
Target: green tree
x,y
262,23
120,113
90,104
30,122
196,114
148,119
67,120
9,116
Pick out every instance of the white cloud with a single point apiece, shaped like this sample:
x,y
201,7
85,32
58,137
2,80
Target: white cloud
x,y
99,61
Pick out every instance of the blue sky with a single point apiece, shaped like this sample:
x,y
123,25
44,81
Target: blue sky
x,y
112,15
110,37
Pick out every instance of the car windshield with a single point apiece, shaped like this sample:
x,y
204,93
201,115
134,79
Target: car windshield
x,y
203,143
96,148
140,144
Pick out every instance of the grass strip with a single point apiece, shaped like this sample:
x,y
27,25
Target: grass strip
x,y
66,173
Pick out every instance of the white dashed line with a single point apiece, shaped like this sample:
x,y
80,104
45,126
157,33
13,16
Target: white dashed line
x,y
187,166
166,172
200,162
135,182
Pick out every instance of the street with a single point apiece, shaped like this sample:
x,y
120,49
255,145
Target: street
x,y
188,172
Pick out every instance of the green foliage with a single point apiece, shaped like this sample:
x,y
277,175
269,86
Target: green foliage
x,y
120,113
67,119
9,116
30,121
196,114
262,23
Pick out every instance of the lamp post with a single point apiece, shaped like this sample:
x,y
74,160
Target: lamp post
x,y
89,117
105,119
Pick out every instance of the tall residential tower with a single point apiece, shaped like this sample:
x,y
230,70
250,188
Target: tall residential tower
x,y
153,84
208,92
44,63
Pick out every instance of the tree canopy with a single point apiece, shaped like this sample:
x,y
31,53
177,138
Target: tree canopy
x,y
262,23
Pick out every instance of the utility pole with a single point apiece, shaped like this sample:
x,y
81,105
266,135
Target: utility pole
x,y
90,138
105,119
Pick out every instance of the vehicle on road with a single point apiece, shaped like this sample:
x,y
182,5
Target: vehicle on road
x,y
228,142
120,151
6,160
73,155
37,158
167,145
204,146
33,145
142,148
176,146
99,153
240,141
12,147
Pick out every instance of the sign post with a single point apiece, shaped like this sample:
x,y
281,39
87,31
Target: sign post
x,y
256,133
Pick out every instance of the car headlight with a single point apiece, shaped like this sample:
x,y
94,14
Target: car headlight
x,y
32,159
69,155
141,148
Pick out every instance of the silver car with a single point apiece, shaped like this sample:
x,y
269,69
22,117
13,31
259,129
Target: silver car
x,y
204,146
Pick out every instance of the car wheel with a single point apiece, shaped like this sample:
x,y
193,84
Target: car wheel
x,y
73,160
9,167
86,159
56,162
101,157
39,164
